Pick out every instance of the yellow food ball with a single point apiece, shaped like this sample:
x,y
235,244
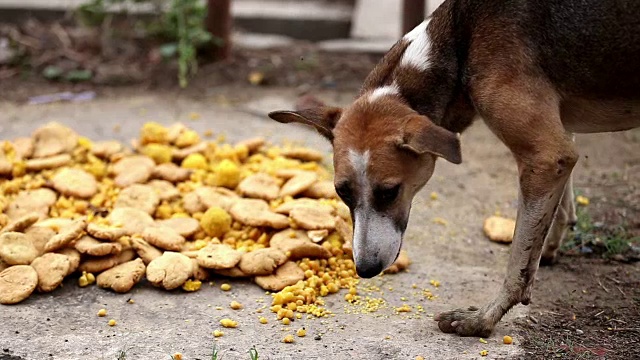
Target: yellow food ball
x,y
159,153
484,352
288,339
225,287
507,339
112,322
192,285
419,357
217,333
187,138
301,332
153,132
195,161
228,323
235,305
102,312
216,222
286,321
263,320
227,174
177,356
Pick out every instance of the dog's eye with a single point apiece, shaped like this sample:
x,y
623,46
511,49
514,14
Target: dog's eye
x,y
387,195
345,193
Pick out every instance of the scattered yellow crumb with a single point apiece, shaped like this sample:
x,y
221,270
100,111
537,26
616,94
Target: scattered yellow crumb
x,y
482,340
435,283
434,196
288,339
194,116
286,321
263,320
419,357
225,287
131,301
582,200
217,333
112,322
177,356
484,352
102,312
440,221
228,323
235,305
507,339
301,332
192,285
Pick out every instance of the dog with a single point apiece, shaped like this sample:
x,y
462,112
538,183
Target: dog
x,y
536,72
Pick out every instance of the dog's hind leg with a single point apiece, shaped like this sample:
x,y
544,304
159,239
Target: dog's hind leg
x,y
526,118
564,220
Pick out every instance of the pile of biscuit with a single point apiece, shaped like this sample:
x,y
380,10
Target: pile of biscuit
x,y
171,207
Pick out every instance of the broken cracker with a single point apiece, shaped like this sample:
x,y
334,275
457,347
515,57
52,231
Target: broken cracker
x,y
24,147
31,201
146,251
285,208
74,259
286,275
123,277
22,223
90,246
106,149
66,236
134,176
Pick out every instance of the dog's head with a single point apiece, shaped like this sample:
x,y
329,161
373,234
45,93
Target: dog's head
x,y
384,153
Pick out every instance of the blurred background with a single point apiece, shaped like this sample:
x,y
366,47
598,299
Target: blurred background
x,y
60,45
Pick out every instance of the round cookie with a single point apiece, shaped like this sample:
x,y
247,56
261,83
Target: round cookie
x,y
163,238
75,182
286,275
218,256
17,248
138,196
122,277
52,269
17,283
262,261
169,271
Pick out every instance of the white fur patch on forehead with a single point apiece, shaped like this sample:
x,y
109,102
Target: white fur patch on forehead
x,y
384,91
417,52
360,161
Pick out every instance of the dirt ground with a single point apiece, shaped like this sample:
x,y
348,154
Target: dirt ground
x,y
586,306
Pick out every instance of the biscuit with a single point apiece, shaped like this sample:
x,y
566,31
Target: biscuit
x,y
39,236
171,172
53,139
31,201
286,275
297,244
234,272
218,256
22,223
180,154
24,147
137,175
192,204
129,163
75,182
303,154
103,232
262,261
17,249
312,218
74,259
321,190
254,212
299,183
163,237
106,149
146,251
138,196
198,272
184,226
123,277
165,190
52,269
216,197
66,236
499,229
97,265
17,283
253,144
259,186
46,163
132,220
90,246
285,208
401,263
169,271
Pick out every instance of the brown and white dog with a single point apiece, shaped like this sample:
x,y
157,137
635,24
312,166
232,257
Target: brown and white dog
x,y
535,71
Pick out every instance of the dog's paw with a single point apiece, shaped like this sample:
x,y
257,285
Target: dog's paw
x,y
465,322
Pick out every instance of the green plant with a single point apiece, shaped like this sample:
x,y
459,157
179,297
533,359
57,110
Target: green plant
x,y
181,25
253,353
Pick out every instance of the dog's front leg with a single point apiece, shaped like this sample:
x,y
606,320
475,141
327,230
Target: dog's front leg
x,y
545,156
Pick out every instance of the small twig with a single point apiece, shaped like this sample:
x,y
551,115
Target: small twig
x,y
622,292
598,314
61,34
618,321
602,286
614,280
626,329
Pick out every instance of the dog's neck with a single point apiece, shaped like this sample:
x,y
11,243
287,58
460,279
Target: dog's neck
x,y
423,68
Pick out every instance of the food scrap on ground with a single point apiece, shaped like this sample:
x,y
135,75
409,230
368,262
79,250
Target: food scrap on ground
x,y
499,229
177,211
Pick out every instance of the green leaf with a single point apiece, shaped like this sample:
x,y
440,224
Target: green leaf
x,y
79,75
52,72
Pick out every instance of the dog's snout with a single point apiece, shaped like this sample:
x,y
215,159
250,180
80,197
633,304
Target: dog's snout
x,y
367,270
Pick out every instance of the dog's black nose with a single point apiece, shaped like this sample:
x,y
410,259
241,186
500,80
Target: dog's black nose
x,y
369,270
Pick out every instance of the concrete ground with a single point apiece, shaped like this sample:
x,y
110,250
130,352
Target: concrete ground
x,y
444,240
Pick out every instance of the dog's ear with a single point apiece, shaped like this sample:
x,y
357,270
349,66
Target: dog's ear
x,y
323,118
421,136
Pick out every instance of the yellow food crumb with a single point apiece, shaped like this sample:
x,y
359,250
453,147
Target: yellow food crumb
x,y
177,356
195,162
225,287
288,339
484,352
194,116
86,279
158,152
301,332
217,333
226,174
440,221
419,357
582,200
235,305
216,222
286,321
482,340
228,323
263,320
131,301
192,285
112,322
435,283
434,196
102,312
507,339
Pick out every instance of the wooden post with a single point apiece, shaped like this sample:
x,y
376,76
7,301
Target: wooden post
x,y
219,25
412,14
